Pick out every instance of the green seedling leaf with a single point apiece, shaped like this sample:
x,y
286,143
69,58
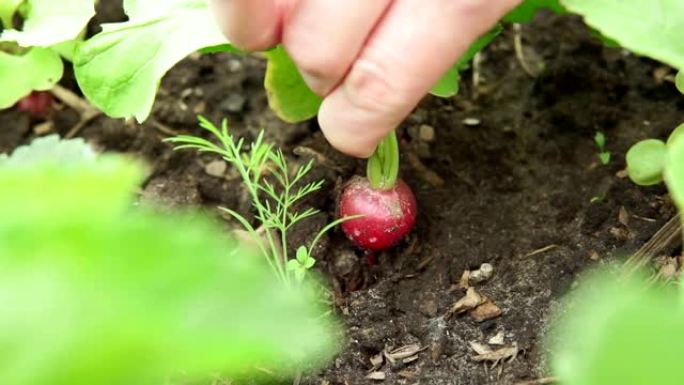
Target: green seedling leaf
x,y
50,22
83,271
645,162
674,169
604,157
38,69
7,10
448,84
525,12
600,140
679,80
650,28
674,135
120,68
288,94
618,331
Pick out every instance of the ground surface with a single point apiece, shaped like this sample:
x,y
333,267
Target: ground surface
x,y
519,170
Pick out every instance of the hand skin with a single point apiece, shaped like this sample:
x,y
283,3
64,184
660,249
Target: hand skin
x,y
371,60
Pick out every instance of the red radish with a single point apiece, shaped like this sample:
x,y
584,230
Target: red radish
x,y
385,205
37,103
388,215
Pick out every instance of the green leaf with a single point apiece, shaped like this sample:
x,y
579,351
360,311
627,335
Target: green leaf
x,y
645,162
679,80
119,69
38,69
302,254
674,169
288,95
619,331
7,10
309,262
525,12
83,271
647,27
51,22
604,157
675,134
600,140
448,85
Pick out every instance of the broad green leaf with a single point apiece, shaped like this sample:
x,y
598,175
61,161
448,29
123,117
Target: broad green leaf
x,y
119,69
7,10
618,331
448,85
134,296
38,69
50,22
647,27
288,95
645,162
674,169
525,12
679,80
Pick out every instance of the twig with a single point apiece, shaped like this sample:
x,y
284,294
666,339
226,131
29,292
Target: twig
x,y
539,381
86,111
519,51
539,251
668,236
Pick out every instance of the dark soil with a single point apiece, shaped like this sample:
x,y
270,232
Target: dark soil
x,y
527,176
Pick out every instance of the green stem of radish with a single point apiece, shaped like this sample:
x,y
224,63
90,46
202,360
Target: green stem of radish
x,y
383,166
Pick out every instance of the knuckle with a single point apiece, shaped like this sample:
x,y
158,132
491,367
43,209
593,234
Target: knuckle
x,y
370,86
321,62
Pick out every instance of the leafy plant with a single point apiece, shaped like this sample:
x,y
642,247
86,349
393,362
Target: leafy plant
x,y
600,140
30,58
275,204
96,291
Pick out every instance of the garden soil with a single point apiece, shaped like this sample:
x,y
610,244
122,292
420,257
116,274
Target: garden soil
x,y
506,173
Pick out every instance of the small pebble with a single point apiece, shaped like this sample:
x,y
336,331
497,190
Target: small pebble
x,y
426,133
233,103
216,168
472,122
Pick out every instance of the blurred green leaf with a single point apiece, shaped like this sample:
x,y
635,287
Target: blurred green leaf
x,y
448,85
96,291
50,22
646,27
645,162
120,68
7,10
674,168
679,80
288,95
619,331
675,134
38,69
525,12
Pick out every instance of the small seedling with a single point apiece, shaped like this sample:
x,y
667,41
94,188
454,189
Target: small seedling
x,y
600,140
260,165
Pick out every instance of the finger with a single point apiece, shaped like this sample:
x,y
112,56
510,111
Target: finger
x,y
323,37
250,25
414,44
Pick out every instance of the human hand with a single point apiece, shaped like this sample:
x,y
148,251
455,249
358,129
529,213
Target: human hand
x,y
371,60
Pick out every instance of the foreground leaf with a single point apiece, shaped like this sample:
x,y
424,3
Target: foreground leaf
x,y
51,22
646,161
647,27
288,95
95,291
119,69
37,70
619,332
